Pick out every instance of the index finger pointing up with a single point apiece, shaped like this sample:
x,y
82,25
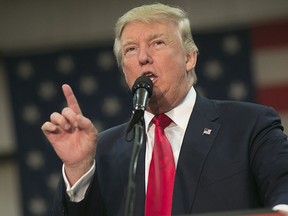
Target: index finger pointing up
x,y
71,99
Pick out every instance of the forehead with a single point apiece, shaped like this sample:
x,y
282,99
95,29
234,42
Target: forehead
x,y
145,30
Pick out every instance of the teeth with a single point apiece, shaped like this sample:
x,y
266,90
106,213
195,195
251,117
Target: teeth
x,y
149,75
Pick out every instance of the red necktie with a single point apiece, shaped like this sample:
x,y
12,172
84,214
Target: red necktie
x,y
161,172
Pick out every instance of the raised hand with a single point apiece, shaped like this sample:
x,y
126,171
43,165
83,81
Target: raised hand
x,y
72,136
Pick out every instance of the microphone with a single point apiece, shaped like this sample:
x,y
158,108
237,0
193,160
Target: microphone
x,y
141,91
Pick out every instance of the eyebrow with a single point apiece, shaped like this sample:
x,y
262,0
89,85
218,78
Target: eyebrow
x,y
168,38
153,36
128,42
149,38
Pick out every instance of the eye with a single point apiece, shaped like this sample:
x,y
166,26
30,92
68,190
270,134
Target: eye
x,y
158,42
130,49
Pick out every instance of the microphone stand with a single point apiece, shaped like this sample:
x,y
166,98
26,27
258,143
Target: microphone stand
x,y
138,142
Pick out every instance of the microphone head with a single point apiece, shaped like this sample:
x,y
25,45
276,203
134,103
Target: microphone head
x,y
143,82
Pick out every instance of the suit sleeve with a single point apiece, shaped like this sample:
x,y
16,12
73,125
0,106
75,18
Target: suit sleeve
x,y
92,204
269,158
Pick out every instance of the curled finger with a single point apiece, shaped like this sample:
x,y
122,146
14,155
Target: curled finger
x,y
70,116
60,120
48,127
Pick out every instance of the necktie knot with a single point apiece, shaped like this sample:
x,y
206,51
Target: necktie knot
x,y
162,120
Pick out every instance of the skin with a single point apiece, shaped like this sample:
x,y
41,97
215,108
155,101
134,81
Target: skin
x,y
148,49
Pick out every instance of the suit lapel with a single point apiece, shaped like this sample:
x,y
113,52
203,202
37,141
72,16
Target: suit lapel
x,y
198,139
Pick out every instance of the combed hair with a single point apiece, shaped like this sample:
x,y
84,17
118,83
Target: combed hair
x,y
154,13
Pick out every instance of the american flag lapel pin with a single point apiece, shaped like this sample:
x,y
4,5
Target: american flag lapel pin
x,y
207,131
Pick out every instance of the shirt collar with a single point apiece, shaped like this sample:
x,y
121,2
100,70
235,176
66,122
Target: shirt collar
x,y
180,114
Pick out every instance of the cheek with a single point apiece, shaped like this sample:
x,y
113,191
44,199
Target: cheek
x,y
176,68
130,66
131,71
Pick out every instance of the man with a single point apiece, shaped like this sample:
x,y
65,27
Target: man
x,y
225,155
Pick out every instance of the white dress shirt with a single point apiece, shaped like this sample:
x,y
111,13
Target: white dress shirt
x,y
174,132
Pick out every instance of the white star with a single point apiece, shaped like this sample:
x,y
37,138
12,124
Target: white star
x,y
31,114
111,106
65,64
105,60
98,124
47,90
37,206
25,70
88,85
237,91
213,69
35,159
201,90
231,44
53,180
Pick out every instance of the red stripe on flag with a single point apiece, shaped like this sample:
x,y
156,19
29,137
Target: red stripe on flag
x,y
270,35
275,96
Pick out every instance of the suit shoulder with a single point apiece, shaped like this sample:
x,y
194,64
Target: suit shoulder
x,y
240,107
236,110
252,116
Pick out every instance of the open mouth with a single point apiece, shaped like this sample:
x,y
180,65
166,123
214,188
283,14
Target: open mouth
x,y
150,75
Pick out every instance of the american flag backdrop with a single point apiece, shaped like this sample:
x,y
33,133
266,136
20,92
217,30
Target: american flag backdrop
x,y
232,65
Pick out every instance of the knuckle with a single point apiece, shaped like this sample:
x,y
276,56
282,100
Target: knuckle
x,y
44,126
53,115
66,111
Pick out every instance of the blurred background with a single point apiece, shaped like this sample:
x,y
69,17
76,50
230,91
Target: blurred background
x,y
43,44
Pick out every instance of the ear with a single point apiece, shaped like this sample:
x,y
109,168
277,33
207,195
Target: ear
x,y
191,59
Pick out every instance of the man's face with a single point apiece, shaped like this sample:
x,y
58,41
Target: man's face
x,y
155,50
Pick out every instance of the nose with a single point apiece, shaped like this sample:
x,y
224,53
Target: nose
x,y
144,57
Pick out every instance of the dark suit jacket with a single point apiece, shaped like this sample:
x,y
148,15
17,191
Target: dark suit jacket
x,y
241,164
